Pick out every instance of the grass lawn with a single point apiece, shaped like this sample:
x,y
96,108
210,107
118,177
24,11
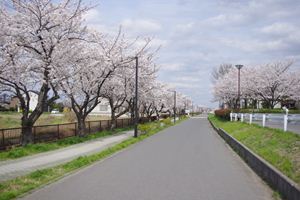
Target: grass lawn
x,y
13,119
19,186
279,148
32,149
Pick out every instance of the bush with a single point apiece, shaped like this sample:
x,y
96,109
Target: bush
x,y
223,113
145,128
167,121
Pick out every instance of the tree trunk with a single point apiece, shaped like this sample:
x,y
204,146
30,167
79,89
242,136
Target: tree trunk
x,y
27,134
113,124
81,127
157,115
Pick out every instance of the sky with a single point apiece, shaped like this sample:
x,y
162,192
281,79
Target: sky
x,y
196,35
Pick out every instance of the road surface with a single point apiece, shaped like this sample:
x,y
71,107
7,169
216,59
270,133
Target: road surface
x,y
186,162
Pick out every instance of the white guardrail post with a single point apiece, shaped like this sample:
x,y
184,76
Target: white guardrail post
x,y
264,120
250,119
231,116
285,123
242,117
235,117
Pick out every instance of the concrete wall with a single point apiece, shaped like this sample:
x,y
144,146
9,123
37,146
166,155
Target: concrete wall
x,y
278,181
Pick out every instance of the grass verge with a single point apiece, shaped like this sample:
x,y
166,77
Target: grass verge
x,y
19,186
279,148
32,149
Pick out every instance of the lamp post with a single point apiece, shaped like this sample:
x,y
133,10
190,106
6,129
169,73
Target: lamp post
x,y
239,67
136,112
174,106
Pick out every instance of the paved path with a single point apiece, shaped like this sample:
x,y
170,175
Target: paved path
x,y
14,168
185,162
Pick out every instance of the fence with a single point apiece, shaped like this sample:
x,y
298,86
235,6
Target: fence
x,y
283,121
46,133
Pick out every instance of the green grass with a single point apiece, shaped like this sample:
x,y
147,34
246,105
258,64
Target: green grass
x,y
279,148
32,149
19,186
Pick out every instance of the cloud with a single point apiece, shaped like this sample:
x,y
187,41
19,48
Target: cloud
x,y
199,35
171,66
222,20
142,26
255,45
183,85
187,79
185,27
92,16
279,28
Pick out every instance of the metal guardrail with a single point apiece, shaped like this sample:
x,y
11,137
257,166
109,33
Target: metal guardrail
x,y
46,133
280,119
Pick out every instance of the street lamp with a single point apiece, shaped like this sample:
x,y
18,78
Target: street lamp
x,y
239,67
136,112
174,106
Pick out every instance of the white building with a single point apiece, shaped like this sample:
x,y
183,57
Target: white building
x,y
33,101
103,108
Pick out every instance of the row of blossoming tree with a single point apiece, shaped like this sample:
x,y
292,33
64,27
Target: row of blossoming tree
x,y
47,50
271,84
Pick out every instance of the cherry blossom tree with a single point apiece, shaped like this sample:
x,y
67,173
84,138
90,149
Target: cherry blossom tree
x,y
270,83
219,72
117,93
32,35
98,58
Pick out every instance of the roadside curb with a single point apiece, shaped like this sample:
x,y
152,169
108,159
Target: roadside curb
x,y
277,180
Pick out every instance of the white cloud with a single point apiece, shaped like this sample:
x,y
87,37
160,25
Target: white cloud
x,y
187,79
142,26
92,16
254,45
184,85
185,27
225,20
171,66
279,28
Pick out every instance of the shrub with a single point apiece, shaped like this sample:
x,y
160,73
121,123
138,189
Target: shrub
x,y
167,121
223,113
145,128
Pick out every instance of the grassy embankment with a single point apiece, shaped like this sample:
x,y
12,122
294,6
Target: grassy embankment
x,y
19,186
279,148
13,119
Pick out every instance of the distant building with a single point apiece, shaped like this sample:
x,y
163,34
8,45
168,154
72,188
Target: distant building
x,y
15,103
4,101
103,108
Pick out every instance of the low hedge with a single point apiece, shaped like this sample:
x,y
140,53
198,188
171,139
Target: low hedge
x,y
223,113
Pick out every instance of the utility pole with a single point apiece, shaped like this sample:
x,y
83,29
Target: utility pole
x,y
136,112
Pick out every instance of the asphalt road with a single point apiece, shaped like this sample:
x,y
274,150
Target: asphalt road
x,y
185,162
